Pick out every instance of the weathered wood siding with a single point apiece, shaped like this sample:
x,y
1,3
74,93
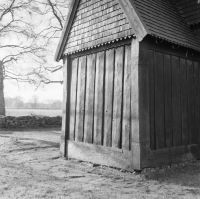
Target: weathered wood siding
x,y
100,98
96,23
174,101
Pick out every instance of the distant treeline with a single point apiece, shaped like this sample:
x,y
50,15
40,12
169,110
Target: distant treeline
x,y
34,103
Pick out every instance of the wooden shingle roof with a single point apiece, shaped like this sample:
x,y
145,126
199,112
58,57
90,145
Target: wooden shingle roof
x,y
160,18
189,10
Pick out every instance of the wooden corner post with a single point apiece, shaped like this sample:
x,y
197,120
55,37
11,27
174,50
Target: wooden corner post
x,y
65,108
140,141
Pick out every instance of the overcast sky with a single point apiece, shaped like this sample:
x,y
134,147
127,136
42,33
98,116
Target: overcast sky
x,y
26,91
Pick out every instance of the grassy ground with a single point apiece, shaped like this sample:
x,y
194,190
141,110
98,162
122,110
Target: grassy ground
x,y
31,167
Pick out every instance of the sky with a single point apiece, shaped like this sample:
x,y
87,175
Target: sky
x,y
26,91
44,93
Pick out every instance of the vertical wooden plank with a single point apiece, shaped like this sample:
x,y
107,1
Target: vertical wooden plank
x,y
190,77
184,101
89,100
126,122
80,107
144,126
135,92
108,107
152,99
98,105
159,101
74,68
196,104
140,103
168,101
65,107
198,131
176,108
117,102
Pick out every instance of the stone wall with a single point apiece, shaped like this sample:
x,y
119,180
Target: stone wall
x,y
35,121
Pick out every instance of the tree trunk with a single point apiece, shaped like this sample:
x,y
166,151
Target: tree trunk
x,y
2,101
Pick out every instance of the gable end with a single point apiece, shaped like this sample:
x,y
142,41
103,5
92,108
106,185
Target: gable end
x,y
92,23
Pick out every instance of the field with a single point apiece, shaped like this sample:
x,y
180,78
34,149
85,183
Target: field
x,y
25,112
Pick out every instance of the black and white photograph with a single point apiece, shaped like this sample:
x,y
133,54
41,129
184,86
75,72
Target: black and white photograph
x,y
99,99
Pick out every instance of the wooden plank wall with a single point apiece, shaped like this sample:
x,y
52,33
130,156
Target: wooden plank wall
x,y
174,101
100,98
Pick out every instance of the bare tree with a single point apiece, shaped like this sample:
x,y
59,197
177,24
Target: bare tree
x,y
29,30
34,101
2,101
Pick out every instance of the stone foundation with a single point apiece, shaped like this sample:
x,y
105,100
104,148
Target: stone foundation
x,y
35,121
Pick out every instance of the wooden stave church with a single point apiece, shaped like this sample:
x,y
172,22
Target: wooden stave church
x,y
139,104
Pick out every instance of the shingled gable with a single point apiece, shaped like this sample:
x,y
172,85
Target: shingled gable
x,y
159,18
75,32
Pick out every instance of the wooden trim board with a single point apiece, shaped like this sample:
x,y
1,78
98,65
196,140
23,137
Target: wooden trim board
x,y
66,29
100,155
134,19
172,155
65,107
102,48
166,47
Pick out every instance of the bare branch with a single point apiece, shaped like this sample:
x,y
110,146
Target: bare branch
x,y
34,25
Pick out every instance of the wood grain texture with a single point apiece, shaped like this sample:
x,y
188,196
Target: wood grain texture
x,y
152,99
144,94
135,133
144,126
176,103
184,101
196,104
100,155
63,147
168,101
126,122
198,132
173,155
74,70
190,78
89,101
98,105
80,107
159,101
108,107
117,102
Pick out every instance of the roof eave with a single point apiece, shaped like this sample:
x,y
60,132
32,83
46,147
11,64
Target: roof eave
x,y
66,29
134,18
127,6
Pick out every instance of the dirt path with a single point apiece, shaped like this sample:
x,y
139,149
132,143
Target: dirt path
x,y
31,167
